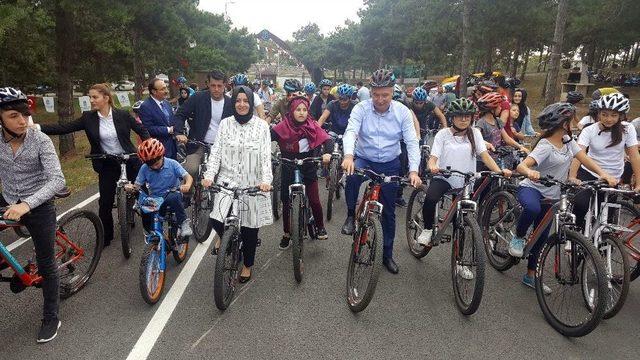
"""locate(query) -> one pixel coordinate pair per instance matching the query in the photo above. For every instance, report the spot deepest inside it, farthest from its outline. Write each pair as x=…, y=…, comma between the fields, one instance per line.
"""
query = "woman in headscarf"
x=241, y=157
x=522, y=123
x=299, y=136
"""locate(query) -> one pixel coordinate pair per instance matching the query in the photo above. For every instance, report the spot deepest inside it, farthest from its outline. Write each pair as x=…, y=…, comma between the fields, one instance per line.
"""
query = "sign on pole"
x=85, y=104
x=123, y=98
x=49, y=104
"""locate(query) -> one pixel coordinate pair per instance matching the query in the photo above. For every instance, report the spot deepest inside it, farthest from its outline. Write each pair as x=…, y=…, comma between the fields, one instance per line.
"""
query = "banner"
x=85, y=104
x=123, y=99
x=49, y=103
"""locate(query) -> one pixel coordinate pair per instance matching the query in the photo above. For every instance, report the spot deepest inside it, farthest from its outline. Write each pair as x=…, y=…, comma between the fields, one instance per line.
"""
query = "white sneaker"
x=185, y=228
x=424, y=238
x=464, y=272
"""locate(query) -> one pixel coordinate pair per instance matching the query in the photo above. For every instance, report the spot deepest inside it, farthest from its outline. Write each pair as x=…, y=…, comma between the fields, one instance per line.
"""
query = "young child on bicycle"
x=31, y=176
x=161, y=174
x=299, y=136
x=551, y=156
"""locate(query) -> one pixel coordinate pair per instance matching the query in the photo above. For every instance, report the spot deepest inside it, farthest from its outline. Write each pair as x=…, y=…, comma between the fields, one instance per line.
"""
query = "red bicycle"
x=630, y=218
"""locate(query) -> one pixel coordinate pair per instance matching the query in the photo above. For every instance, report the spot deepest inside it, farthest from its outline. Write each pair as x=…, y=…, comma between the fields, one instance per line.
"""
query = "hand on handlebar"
x=182, y=139
x=574, y=181
x=533, y=175
x=184, y=188
x=16, y=211
x=507, y=173
x=207, y=183
x=130, y=188
x=265, y=187
x=612, y=181
x=348, y=165
x=326, y=158
x=414, y=178
x=434, y=169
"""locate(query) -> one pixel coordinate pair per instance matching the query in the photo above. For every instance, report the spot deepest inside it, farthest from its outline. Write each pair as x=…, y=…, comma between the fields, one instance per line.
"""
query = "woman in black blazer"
x=109, y=132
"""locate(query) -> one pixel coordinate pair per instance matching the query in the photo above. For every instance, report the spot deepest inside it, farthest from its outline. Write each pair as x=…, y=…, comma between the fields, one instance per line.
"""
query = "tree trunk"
x=353, y=75
x=403, y=59
x=591, y=55
x=556, y=51
x=64, y=66
x=516, y=55
x=546, y=60
x=466, y=47
x=524, y=66
x=540, y=58
x=138, y=67
x=489, y=58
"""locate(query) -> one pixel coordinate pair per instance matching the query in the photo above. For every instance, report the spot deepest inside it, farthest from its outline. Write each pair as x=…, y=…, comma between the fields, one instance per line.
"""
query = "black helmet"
x=555, y=115
x=292, y=85
x=574, y=97
x=382, y=78
x=10, y=95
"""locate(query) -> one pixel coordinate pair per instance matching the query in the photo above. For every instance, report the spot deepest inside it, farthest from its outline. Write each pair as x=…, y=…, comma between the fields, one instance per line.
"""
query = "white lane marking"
x=154, y=328
x=82, y=204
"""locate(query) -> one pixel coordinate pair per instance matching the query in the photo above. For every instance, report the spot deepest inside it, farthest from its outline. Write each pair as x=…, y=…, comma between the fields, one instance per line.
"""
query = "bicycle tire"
x=227, y=265
x=354, y=301
x=276, y=203
x=180, y=250
x=96, y=243
x=586, y=252
x=124, y=223
x=632, y=213
x=297, y=236
x=200, y=210
x=149, y=267
x=492, y=230
x=333, y=187
x=618, y=279
x=477, y=259
x=414, y=222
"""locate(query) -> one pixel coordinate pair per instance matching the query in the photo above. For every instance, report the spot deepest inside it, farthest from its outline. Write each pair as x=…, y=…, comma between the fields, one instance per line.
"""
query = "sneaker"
x=424, y=238
x=516, y=247
x=349, y=226
x=321, y=234
x=531, y=282
x=284, y=243
x=48, y=330
x=464, y=272
x=185, y=228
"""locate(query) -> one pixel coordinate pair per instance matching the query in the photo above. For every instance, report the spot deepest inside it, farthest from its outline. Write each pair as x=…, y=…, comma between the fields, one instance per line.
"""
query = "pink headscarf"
x=289, y=130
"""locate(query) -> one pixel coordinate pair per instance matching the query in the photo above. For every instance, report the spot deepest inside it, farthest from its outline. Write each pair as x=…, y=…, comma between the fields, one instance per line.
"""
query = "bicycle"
x=631, y=240
x=302, y=224
x=124, y=200
x=202, y=202
x=229, y=257
x=79, y=242
x=276, y=205
x=335, y=175
x=159, y=242
x=366, y=250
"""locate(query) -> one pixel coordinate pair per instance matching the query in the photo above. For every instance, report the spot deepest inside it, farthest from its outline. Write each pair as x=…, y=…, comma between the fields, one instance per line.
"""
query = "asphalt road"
x=412, y=315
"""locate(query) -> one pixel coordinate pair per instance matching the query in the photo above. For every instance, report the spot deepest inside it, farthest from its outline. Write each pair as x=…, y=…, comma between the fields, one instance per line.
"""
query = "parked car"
x=124, y=85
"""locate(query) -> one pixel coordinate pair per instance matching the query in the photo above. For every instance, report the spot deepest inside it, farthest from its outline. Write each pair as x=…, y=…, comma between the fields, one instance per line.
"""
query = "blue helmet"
x=326, y=82
x=419, y=94
x=292, y=85
x=310, y=88
x=181, y=80
x=345, y=90
x=240, y=79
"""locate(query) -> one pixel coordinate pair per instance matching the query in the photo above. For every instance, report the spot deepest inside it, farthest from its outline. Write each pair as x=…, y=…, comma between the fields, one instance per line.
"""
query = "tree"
x=466, y=46
x=556, y=50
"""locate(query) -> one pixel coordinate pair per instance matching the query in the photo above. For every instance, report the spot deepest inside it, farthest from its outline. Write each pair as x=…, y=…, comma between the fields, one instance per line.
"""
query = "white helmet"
x=615, y=101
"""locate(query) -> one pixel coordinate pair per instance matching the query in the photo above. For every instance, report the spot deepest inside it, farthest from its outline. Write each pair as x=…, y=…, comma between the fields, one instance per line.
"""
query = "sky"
x=284, y=17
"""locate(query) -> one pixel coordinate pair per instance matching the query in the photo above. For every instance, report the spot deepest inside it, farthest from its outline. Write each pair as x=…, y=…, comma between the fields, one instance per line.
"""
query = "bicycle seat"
x=65, y=192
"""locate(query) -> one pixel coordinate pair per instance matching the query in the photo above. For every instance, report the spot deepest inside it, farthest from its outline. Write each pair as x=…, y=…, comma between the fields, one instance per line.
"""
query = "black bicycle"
x=335, y=175
x=202, y=202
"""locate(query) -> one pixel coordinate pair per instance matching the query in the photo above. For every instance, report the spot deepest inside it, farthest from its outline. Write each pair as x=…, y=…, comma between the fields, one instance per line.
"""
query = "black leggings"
x=582, y=198
x=249, y=241
x=437, y=188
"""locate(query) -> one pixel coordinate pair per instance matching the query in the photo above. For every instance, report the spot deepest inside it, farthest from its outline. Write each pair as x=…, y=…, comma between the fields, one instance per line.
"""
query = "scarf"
x=291, y=131
x=242, y=119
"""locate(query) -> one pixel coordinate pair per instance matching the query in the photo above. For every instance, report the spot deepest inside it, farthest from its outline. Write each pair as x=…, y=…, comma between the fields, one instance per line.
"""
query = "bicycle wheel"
x=297, y=236
x=178, y=250
x=276, y=203
x=124, y=222
x=414, y=222
x=227, y=269
x=498, y=222
x=467, y=266
x=150, y=275
x=629, y=213
x=333, y=187
x=364, y=265
x=200, y=210
x=616, y=265
x=564, y=273
x=80, y=239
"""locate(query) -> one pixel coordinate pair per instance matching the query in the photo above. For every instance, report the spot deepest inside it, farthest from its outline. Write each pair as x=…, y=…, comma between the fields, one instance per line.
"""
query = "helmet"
x=397, y=92
x=555, y=115
x=593, y=105
x=489, y=101
x=486, y=87
x=615, y=101
x=325, y=82
x=150, y=149
x=292, y=85
x=181, y=80
x=382, y=78
x=310, y=88
x=265, y=82
x=574, y=97
x=448, y=88
x=10, y=95
x=603, y=91
x=345, y=90
x=428, y=84
x=461, y=106
x=240, y=79
x=136, y=106
x=419, y=94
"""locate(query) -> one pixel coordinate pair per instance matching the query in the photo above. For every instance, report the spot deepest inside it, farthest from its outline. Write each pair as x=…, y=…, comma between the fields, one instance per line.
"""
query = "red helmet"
x=489, y=101
x=150, y=149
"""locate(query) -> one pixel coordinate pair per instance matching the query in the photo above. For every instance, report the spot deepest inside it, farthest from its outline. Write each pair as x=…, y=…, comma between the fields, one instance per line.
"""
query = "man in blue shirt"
x=379, y=124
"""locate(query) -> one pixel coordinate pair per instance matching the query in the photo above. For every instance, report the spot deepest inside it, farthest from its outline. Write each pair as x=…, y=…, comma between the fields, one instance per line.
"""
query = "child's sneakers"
x=185, y=229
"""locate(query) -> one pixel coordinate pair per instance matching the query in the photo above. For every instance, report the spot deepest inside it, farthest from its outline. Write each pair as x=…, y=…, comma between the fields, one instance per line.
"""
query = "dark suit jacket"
x=89, y=122
x=156, y=123
x=198, y=107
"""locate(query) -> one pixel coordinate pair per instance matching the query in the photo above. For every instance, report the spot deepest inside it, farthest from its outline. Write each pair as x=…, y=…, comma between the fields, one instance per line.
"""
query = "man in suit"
x=207, y=109
x=157, y=116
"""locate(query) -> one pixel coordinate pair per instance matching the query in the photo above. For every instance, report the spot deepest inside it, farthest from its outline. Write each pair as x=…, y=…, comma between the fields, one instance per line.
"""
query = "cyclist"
x=429, y=116
x=292, y=88
x=399, y=95
x=182, y=84
x=574, y=97
x=30, y=180
x=379, y=124
x=310, y=91
x=450, y=95
x=299, y=136
x=363, y=92
x=491, y=126
x=160, y=174
x=243, y=80
x=337, y=113
x=265, y=93
x=608, y=142
x=320, y=102
x=551, y=156
x=591, y=116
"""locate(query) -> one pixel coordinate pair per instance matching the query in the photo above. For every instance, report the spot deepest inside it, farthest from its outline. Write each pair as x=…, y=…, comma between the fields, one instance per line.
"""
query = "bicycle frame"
x=461, y=204
x=628, y=243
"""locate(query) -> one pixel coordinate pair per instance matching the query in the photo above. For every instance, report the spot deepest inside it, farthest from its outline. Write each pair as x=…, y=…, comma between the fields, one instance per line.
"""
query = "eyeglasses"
x=152, y=161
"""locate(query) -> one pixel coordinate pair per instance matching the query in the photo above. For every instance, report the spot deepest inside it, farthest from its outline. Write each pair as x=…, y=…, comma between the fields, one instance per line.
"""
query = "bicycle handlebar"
x=300, y=162
x=119, y=157
x=382, y=178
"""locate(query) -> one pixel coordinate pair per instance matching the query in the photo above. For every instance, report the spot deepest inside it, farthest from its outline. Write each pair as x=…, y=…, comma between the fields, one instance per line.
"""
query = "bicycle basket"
x=149, y=204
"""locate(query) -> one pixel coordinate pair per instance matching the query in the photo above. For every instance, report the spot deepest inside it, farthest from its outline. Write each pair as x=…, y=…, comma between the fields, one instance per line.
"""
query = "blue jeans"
x=173, y=201
x=533, y=212
x=387, y=197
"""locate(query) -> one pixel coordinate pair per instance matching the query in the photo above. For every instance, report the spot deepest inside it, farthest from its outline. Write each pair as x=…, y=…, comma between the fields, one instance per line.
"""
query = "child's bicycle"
x=78, y=246
x=159, y=242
